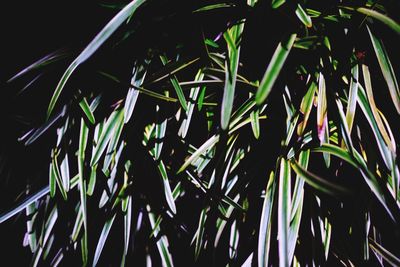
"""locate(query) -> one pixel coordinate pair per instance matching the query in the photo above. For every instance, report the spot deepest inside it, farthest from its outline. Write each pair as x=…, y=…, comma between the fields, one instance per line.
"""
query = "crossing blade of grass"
x=352, y=99
x=167, y=187
x=319, y=183
x=381, y=17
x=175, y=84
x=116, y=118
x=102, y=239
x=200, y=232
x=138, y=75
x=299, y=184
x=284, y=204
x=127, y=228
x=57, y=175
x=200, y=151
x=41, y=130
x=264, y=236
x=93, y=46
x=306, y=106
x=366, y=108
x=387, y=69
x=52, y=180
x=374, y=109
x=191, y=104
x=274, y=68
x=303, y=16
x=162, y=243
x=86, y=109
x=82, y=184
x=64, y=167
x=31, y=214
x=28, y=201
x=387, y=255
x=231, y=68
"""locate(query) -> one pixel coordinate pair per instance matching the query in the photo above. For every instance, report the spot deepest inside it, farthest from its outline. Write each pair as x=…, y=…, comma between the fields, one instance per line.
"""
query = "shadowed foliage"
x=215, y=133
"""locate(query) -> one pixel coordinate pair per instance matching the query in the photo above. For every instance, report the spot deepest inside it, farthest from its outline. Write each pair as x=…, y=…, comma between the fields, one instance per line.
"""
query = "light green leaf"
x=116, y=118
x=387, y=69
x=274, y=68
x=284, y=204
x=100, y=38
x=381, y=17
x=86, y=109
x=318, y=183
x=303, y=16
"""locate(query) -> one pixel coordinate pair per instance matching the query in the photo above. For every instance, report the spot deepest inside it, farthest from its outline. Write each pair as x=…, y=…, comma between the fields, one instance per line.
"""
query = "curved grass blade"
x=264, y=236
x=381, y=17
x=35, y=197
x=374, y=109
x=116, y=118
x=387, y=69
x=175, y=84
x=274, y=68
x=93, y=46
x=387, y=255
x=318, y=183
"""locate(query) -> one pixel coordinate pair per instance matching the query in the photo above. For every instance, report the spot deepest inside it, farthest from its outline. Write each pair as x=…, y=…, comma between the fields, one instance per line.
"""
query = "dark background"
x=29, y=31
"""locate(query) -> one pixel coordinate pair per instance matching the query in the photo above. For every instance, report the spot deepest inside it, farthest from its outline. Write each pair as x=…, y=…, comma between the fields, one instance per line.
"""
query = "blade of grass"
x=274, y=67
x=387, y=69
x=86, y=109
x=264, y=236
x=284, y=204
x=93, y=46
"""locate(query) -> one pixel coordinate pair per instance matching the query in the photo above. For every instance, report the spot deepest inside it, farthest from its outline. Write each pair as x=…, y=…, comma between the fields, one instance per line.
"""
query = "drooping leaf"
x=102, y=239
x=93, y=46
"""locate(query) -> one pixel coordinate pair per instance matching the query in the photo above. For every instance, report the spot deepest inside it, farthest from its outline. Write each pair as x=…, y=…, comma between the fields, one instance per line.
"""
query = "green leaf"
x=387, y=69
x=52, y=180
x=318, y=183
x=102, y=239
x=302, y=15
x=93, y=46
x=86, y=109
x=64, y=167
x=305, y=107
x=264, y=236
x=200, y=151
x=381, y=17
x=255, y=123
x=231, y=68
x=274, y=68
x=215, y=6
x=116, y=118
x=175, y=84
x=277, y=3
x=284, y=204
